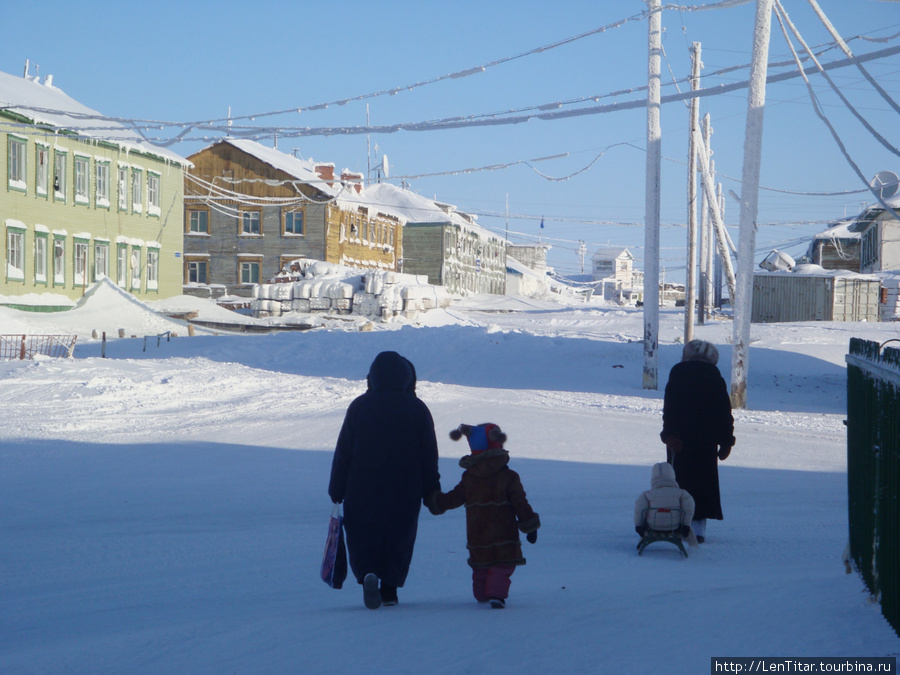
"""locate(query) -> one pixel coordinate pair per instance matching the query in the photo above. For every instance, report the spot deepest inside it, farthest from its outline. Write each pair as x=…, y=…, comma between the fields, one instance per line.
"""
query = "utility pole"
x=690, y=289
x=582, y=250
x=742, y=302
x=651, y=218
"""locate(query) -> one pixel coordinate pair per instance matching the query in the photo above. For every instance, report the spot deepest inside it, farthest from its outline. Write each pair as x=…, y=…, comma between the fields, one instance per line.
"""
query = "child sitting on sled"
x=496, y=510
x=665, y=507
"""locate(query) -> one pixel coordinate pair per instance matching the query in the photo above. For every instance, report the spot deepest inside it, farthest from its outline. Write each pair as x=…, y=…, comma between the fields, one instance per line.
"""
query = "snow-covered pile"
x=315, y=286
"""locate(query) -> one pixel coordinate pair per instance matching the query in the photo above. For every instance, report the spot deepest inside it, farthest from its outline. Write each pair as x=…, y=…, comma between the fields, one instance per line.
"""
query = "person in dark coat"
x=496, y=511
x=385, y=465
x=698, y=429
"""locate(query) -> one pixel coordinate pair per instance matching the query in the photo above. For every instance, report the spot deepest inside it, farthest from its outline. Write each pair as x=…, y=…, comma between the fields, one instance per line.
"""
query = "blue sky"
x=191, y=61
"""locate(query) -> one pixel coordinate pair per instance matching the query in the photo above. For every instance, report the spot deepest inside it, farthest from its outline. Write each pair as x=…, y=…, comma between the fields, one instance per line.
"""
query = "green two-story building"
x=81, y=198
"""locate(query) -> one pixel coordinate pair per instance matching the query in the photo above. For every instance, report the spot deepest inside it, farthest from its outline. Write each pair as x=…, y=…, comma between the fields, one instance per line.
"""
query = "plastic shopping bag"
x=334, y=561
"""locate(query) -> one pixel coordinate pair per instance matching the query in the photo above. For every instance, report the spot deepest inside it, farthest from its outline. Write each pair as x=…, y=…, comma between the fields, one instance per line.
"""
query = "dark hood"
x=390, y=372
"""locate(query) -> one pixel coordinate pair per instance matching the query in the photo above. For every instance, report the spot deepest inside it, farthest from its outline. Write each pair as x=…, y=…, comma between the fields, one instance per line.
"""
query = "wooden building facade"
x=250, y=209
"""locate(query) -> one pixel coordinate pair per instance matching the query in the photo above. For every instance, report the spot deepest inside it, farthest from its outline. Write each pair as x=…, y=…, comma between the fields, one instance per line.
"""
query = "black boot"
x=388, y=595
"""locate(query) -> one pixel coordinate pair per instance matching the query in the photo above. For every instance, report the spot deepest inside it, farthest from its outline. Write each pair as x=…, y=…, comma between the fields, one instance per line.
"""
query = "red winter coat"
x=496, y=509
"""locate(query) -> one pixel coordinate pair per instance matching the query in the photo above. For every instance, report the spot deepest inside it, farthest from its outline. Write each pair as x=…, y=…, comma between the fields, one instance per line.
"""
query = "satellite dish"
x=384, y=168
x=885, y=183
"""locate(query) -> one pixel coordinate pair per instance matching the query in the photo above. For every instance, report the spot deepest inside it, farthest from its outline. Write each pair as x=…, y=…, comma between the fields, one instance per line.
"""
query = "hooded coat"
x=496, y=509
x=697, y=412
x=664, y=494
x=385, y=464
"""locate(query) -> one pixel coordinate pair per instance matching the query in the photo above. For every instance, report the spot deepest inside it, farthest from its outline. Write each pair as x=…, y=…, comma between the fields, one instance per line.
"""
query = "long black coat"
x=697, y=411
x=385, y=465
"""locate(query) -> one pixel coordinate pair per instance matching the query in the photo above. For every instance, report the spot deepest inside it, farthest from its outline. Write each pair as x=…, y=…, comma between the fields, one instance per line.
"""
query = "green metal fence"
x=873, y=470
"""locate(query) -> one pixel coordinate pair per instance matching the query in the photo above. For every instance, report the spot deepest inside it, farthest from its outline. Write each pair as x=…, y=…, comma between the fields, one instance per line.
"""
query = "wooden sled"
x=662, y=518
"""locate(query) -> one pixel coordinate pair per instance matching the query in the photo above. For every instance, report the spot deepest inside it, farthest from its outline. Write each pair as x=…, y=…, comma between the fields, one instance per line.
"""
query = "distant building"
x=443, y=243
x=251, y=209
x=865, y=244
x=83, y=197
x=619, y=281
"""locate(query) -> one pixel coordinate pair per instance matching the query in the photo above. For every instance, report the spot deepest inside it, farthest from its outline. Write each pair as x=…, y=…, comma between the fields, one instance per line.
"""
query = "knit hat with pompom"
x=481, y=437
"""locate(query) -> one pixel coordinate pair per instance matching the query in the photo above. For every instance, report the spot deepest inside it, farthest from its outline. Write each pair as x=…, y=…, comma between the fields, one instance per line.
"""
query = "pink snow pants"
x=491, y=582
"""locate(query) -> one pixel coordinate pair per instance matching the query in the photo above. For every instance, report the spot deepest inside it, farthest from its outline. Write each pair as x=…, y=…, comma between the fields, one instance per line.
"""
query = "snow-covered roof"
x=46, y=104
x=839, y=230
x=410, y=207
x=611, y=253
x=302, y=169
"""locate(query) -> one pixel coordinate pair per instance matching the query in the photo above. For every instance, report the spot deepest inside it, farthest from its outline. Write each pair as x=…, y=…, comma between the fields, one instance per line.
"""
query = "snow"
x=46, y=104
x=166, y=510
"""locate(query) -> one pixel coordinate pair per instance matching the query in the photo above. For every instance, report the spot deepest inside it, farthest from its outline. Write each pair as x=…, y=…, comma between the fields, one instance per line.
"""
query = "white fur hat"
x=700, y=350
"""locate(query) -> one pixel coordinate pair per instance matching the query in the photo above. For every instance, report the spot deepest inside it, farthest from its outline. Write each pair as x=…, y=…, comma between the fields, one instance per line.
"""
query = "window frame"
x=154, y=185
x=136, y=272
x=190, y=221
x=122, y=187
x=16, y=163
x=152, y=282
x=59, y=260
x=192, y=265
x=41, y=250
x=101, y=185
x=60, y=175
x=101, y=252
x=250, y=217
x=81, y=261
x=82, y=184
x=249, y=264
x=15, y=253
x=292, y=216
x=41, y=170
x=122, y=265
x=137, y=190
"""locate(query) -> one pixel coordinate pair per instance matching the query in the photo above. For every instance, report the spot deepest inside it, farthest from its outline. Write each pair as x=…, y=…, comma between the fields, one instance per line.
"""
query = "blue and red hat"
x=481, y=437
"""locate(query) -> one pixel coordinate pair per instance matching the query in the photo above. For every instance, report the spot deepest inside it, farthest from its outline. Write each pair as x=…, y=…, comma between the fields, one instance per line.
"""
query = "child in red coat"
x=496, y=510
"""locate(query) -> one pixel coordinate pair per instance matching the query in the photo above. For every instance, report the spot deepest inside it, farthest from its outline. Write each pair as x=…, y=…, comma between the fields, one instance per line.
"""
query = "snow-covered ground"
x=164, y=509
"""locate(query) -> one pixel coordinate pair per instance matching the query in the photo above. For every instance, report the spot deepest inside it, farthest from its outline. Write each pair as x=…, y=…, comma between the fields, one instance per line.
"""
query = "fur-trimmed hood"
x=485, y=463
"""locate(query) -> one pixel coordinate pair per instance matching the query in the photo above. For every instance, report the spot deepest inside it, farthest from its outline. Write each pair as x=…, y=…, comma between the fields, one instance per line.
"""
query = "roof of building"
x=46, y=105
x=302, y=169
x=612, y=253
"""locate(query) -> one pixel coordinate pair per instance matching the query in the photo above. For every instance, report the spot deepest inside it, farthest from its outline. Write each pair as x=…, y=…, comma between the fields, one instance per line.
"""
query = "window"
x=135, y=269
x=42, y=176
x=82, y=179
x=249, y=272
x=15, y=254
x=196, y=272
x=122, y=181
x=59, y=261
x=137, y=186
x=16, y=167
x=121, y=265
x=101, y=260
x=868, y=254
x=81, y=262
x=250, y=222
x=293, y=222
x=102, y=188
x=153, y=193
x=59, y=176
x=40, y=258
x=198, y=222
x=152, y=269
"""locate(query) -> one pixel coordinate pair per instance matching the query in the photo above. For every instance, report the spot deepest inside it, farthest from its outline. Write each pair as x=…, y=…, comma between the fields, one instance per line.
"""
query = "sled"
x=668, y=529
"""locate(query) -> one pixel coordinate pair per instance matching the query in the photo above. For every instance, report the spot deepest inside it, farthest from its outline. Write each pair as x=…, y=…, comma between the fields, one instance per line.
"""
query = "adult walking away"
x=385, y=464
x=698, y=429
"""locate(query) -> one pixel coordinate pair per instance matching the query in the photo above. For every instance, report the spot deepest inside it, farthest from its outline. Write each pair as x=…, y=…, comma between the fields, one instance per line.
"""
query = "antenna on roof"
x=25, y=74
x=885, y=183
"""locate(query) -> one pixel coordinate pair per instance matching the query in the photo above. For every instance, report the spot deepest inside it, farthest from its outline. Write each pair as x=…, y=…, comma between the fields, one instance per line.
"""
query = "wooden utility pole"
x=743, y=300
x=651, y=218
x=690, y=288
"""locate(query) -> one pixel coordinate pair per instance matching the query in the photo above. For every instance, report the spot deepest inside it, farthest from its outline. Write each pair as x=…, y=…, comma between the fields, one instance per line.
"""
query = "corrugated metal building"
x=785, y=296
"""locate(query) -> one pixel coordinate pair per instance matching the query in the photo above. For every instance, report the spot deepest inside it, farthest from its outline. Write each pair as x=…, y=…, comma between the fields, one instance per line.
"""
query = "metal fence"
x=873, y=470
x=14, y=347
